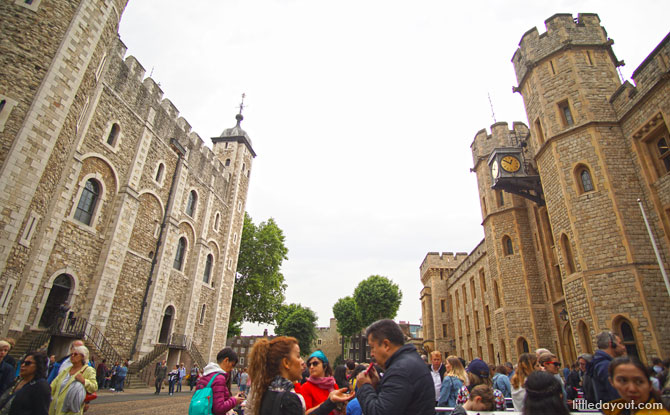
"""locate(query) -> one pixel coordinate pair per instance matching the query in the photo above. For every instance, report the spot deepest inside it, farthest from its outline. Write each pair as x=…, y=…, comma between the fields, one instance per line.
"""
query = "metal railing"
x=79, y=327
x=147, y=359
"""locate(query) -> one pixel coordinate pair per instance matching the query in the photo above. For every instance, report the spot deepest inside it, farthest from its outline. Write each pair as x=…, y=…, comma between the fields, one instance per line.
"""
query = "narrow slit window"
x=566, y=114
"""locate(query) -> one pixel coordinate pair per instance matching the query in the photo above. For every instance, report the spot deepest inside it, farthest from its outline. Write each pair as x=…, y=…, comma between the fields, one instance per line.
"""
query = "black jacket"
x=406, y=387
x=290, y=404
x=441, y=370
x=32, y=399
x=6, y=376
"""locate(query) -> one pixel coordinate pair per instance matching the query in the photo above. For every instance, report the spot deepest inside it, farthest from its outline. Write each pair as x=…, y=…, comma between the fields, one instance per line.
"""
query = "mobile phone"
x=367, y=371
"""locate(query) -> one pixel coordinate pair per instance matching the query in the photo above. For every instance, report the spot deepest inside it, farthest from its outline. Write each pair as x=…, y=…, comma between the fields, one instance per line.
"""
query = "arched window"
x=179, y=256
x=202, y=313
x=522, y=346
x=192, y=202
x=587, y=183
x=508, y=247
x=496, y=294
x=217, y=218
x=624, y=327
x=113, y=134
x=208, y=269
x=159, y=172
x=584, y=337
x=87, y=202
x=584, y=179
x=227, y=162
x=567, y=255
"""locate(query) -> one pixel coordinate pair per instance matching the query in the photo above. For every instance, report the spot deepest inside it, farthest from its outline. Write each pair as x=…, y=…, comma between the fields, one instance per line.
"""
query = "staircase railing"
x=80, y=327
x=195, y=354
x=148, y=358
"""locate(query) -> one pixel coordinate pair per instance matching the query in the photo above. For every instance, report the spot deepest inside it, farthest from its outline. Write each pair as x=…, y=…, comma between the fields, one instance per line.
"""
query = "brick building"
x=566, y=253
x=242, y=346
x=108, y=200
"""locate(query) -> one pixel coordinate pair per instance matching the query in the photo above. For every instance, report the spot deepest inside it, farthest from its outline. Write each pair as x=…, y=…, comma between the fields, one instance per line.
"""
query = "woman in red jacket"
x=320, y=382
x=223, y=400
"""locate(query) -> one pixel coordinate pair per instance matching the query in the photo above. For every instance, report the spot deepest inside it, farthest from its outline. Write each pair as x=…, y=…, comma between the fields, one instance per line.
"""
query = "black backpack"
x=589, y=387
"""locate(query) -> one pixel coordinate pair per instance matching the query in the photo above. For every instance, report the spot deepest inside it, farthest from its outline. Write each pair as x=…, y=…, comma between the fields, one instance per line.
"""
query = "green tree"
x=259, y=284
x=377, y=298
x=299, y=322
x=348, y=319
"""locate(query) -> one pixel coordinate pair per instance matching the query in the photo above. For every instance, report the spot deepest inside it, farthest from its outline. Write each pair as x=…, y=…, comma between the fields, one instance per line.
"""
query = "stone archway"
x=59, y=294
x=166, y=327
x=568, y=345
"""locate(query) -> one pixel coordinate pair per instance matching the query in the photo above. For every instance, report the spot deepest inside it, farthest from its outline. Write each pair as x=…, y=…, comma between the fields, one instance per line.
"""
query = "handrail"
x=195, y=354
x=81, y=328
x=138, y=366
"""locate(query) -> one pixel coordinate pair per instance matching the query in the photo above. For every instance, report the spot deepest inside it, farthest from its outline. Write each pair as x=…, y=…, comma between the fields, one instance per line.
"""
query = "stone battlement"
x=563, y=31
x=125, y=76
x=650, y=71
x=500, y=136
x=442, y=260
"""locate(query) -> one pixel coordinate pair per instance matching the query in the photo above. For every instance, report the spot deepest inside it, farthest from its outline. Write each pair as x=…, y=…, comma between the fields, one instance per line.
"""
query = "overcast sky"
x=362, y=114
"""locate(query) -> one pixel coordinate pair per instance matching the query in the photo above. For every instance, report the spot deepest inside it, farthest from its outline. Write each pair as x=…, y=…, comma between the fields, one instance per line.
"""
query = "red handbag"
x=90, y=396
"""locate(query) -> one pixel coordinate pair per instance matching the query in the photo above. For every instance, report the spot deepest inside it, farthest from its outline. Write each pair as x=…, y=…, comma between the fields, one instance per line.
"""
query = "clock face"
x=510, y=164
x=494, y=169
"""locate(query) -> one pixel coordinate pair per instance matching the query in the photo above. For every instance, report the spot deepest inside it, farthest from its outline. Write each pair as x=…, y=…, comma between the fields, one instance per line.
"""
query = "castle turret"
x=590, y=233
x=515, y=273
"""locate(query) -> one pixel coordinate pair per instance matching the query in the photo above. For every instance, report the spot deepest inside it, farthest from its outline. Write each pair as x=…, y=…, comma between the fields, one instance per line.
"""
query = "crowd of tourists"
x=398, y=381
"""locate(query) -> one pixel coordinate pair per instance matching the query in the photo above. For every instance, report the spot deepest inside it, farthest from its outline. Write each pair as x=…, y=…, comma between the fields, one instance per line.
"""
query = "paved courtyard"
x=142, y=401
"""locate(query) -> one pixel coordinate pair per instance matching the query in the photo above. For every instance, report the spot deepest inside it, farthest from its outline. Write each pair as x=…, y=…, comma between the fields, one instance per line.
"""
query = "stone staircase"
x=31, y=340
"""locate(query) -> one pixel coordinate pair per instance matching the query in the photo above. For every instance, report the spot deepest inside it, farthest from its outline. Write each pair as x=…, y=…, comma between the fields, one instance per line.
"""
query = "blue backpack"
x=203, y=399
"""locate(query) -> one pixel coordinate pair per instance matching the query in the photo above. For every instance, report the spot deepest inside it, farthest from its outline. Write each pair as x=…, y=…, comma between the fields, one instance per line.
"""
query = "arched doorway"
x=167, y=325
x=58, y=295
x=569, y=350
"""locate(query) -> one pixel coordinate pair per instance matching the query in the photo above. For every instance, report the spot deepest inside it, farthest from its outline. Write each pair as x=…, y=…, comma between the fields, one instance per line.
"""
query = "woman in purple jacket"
x=223, y=400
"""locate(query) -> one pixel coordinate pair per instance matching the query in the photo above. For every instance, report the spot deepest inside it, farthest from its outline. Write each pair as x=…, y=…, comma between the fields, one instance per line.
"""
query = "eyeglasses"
x=27, y=363
x=314, y=363
x=557, y=364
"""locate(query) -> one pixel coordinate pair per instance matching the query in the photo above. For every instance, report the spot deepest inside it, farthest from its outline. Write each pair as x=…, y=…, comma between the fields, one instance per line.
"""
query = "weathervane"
x=242, y=103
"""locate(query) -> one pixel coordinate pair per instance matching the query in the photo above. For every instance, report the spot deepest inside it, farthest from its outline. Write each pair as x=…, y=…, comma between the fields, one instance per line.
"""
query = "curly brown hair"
x=264, y=363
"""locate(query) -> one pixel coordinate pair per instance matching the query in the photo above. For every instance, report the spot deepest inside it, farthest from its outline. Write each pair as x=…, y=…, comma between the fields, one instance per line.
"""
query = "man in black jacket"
x=406, y=387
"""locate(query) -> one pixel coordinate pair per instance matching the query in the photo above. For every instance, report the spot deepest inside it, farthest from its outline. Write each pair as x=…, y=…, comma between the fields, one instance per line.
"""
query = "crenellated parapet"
x=126, y=78
x=500, y=136
x=563, y=32
x=650, y=72
x=444, y=260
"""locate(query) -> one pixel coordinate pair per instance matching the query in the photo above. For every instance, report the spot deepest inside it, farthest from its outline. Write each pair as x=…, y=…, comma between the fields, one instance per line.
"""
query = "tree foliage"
x=299, y=322
x=259, y=284
x=348, y=318
x=377, y=298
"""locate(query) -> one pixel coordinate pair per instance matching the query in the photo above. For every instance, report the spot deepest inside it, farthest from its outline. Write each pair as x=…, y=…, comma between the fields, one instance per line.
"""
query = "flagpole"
x=653, y=243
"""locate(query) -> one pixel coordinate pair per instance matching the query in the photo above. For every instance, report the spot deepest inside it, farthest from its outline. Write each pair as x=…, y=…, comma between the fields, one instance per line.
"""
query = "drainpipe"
x=181, y=151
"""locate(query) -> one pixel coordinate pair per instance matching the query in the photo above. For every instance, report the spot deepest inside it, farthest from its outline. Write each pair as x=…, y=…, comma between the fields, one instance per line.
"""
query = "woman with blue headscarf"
x=320, y=382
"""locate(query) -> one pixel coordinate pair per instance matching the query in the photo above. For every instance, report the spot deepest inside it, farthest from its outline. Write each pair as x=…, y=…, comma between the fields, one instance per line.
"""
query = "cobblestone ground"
x=142, y=401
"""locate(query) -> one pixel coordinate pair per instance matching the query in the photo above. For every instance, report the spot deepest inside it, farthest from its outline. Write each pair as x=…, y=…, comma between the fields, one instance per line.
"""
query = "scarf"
x=327, y=383
x=281, y=384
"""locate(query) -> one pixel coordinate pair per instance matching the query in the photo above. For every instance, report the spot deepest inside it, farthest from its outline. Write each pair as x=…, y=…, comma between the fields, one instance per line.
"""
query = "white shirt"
x=436, y=380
